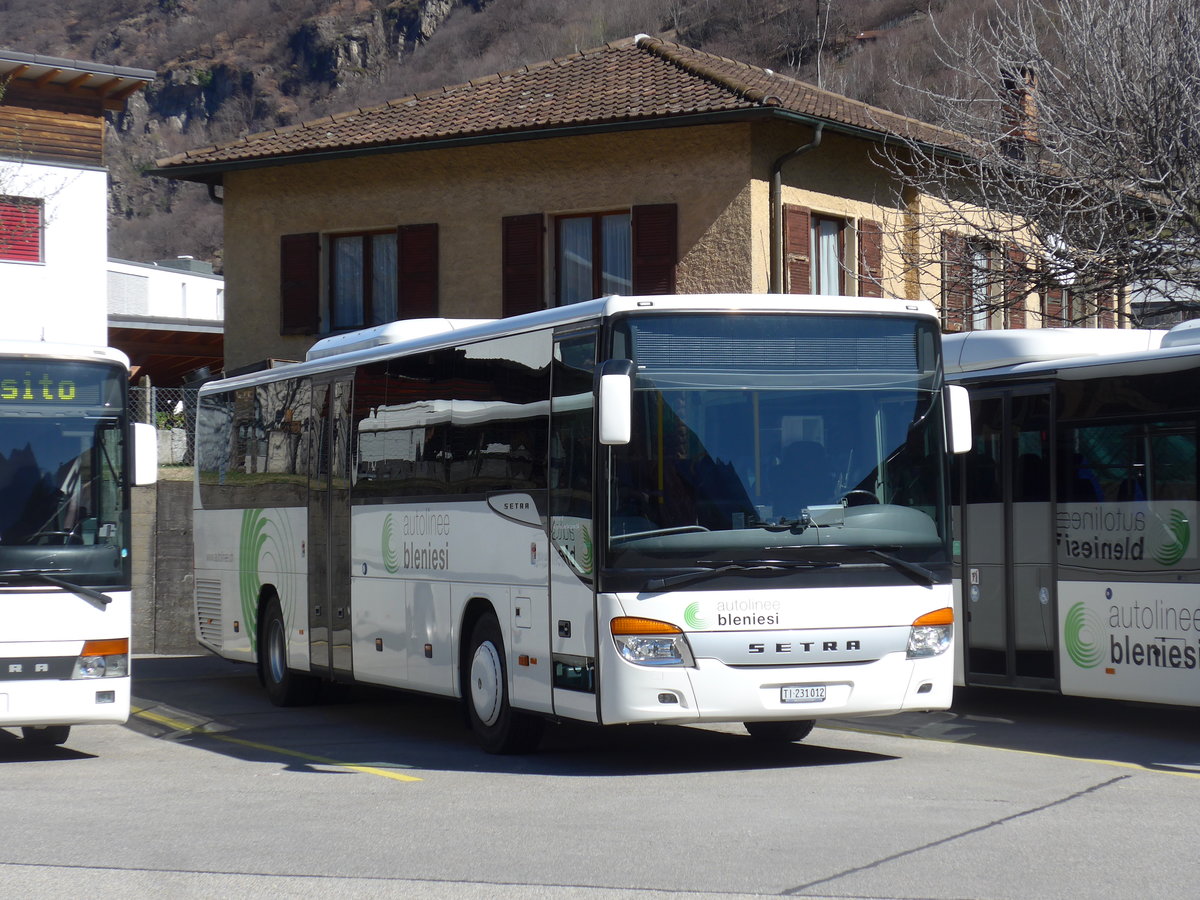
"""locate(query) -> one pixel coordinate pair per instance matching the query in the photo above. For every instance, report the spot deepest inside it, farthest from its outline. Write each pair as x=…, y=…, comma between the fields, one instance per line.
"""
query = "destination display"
x=43, y=383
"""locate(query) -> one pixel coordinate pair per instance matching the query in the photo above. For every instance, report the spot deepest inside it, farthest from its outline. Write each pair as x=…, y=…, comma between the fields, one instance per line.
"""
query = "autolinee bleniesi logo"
x=692, y=616
x=1083, y=635
x=1172, y=551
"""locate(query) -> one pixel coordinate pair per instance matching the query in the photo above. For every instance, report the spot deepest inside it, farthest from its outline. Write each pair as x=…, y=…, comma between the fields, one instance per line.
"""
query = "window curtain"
x=575, y=260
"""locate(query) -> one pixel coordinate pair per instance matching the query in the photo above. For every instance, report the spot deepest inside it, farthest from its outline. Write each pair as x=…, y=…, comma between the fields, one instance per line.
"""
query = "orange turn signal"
x=944, y=616
x=114, y=647
x=635, y=625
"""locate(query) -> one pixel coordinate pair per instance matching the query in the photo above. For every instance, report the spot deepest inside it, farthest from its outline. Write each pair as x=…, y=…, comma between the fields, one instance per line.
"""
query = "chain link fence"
x=172, y=411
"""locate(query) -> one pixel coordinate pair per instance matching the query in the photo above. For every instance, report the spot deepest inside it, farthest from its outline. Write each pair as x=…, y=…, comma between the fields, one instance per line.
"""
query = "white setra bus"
x=66, y=466
x=1079, y=558
x=635, y=509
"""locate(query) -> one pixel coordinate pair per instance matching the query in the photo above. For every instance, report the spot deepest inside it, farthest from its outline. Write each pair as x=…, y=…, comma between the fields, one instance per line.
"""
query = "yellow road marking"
x=1163, y=770
x=178, y=725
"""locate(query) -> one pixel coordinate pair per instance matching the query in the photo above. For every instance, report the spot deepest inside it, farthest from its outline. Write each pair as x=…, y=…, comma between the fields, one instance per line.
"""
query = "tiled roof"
x=636, y=80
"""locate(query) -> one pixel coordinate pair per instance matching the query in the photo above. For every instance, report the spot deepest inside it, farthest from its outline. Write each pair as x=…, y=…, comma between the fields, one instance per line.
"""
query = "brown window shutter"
x=299, y=283
x=797, y=247
x=417, y=278
x=955, y=272
x=655, y=248
x=870, y=259
x=1016, y=284
x=1107, y=316
x=1054, y=307
x=523, y=282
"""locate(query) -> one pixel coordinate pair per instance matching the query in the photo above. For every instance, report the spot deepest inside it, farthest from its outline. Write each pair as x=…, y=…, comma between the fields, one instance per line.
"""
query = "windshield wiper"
x=749, y=567
x=911, y=568
x=49, y=578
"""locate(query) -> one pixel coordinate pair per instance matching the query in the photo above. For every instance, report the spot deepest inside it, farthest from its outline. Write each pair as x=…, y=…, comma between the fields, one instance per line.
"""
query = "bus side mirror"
x=616, y=401
x=958, y=411
x=145, y=453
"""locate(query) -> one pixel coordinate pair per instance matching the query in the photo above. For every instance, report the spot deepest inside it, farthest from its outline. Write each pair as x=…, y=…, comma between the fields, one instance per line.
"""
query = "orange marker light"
x=635, y=625
x=943, y=616
x=114, y=647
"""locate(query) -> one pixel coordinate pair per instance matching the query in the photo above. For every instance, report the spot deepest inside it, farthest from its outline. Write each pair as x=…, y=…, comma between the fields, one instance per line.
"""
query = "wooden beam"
x=77, y=81
x=47, y=77
x=103, y=89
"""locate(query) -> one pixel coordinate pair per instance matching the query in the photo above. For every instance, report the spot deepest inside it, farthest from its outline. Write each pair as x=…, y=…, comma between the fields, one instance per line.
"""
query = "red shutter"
x=20, y=229
x=417, y=278
x=299, y=283
x=954, y=281
x=1054, y=307
x=1016, y=287
x=1105, y=303
x=797, y=245
x=655, y=248
x=523, y=281
x=870, y=259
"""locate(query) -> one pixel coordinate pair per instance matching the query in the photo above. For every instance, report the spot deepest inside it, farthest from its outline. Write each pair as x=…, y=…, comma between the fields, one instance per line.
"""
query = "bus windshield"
x=61, y=473
x=759, y=435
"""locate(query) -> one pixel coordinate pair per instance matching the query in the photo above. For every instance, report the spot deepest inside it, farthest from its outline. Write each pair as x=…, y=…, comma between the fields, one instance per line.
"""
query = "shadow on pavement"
x=1165, y=738
x=220, y=706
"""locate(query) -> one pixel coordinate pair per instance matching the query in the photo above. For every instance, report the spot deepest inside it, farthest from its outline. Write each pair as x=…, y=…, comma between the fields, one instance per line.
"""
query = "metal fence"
x=172, y=411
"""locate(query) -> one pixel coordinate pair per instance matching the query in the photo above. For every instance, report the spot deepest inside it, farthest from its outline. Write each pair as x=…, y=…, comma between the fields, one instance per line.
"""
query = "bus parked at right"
x=1076, y=515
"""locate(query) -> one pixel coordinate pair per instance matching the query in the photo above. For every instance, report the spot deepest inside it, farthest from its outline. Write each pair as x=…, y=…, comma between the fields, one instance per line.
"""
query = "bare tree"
x=1074, y=154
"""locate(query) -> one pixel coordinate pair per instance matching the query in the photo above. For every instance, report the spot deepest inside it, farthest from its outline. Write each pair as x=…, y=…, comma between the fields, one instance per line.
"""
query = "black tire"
x=285, y=687
x=780, y=732
x=45, y=735
x=499, y=728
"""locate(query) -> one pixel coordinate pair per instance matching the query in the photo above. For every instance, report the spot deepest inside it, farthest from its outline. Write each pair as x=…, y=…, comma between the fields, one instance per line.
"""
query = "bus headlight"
x=103, y=659
x=648, y=642
x=931, y=634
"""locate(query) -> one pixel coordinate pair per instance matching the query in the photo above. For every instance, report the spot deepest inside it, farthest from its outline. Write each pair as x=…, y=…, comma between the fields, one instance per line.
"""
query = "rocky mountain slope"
x=232, y=67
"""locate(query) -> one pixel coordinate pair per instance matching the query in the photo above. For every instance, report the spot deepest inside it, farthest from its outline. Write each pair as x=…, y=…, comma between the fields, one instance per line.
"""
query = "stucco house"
x=642, y=166
x=54, y=194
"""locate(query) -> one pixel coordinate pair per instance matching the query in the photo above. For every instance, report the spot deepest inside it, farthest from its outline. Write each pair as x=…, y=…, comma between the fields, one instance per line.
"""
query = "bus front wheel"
x=45, y=735
x=498, y=726
x=780, y=732
x=285, y=686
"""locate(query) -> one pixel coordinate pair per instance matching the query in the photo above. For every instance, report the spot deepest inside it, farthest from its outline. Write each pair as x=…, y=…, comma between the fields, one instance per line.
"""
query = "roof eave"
x=213, y=173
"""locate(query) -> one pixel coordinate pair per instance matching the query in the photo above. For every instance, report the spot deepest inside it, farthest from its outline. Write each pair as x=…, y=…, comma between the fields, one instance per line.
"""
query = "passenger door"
x=1008, y=540
x=329, y=614
x=572, y=529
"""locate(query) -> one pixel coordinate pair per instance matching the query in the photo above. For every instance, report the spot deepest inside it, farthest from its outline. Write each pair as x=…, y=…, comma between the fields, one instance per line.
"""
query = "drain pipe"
x=776, y=282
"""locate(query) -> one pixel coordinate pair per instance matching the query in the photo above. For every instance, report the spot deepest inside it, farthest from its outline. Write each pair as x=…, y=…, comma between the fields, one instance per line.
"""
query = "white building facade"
x=53, y=194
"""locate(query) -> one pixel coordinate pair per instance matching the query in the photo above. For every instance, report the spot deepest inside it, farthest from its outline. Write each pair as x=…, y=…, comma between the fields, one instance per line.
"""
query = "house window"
x=828, y=254
x=594, y=256
x=362, y=279
x=20, y=229
x=831, y=255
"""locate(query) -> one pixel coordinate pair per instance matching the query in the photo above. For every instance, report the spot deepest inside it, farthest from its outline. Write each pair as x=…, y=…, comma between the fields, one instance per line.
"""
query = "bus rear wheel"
x=499, y=728
x=285, y=686
x=45, y=735
x=780, y=732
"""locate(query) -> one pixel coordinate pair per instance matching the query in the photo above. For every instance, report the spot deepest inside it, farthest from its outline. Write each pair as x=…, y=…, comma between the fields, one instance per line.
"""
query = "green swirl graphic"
x=587, y=557
x=692, y=616
x=266, y=553
x=390, y=561
x=1171, y=553
x=253, y=538
x=1083, y=635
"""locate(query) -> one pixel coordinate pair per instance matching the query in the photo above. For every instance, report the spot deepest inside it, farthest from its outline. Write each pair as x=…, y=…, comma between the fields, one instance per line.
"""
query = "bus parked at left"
x=67, y=463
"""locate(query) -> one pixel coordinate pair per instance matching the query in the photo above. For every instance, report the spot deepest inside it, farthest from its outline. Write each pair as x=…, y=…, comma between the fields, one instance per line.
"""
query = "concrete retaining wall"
x=162, y=569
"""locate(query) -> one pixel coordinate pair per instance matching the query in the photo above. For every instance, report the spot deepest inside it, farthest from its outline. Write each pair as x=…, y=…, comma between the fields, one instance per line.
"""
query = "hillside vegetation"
x=233, y=67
